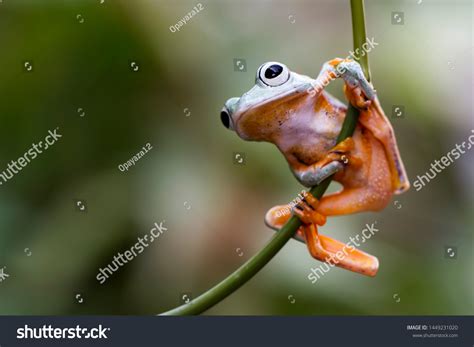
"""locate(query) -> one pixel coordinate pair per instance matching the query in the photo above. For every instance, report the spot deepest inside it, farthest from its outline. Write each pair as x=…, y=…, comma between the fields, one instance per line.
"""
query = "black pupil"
x=273, y=71
x=225, y=119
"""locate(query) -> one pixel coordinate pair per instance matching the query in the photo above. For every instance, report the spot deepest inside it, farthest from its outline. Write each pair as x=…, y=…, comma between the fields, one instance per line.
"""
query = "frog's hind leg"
x=373, y=118
x=361, y=94
x=372, y=190
x=336, y=253
x=328, y=250
x=321, y=247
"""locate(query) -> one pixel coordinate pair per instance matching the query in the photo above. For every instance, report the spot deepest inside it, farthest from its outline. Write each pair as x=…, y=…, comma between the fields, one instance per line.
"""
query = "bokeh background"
x=81, y=53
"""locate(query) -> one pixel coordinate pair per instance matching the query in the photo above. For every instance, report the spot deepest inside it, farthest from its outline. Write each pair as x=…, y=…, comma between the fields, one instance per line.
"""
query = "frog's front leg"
x=358, y=90
x=312, y=175
x=335, y=160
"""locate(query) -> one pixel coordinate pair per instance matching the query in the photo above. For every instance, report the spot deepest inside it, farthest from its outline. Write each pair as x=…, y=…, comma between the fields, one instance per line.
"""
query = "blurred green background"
x=81, y=53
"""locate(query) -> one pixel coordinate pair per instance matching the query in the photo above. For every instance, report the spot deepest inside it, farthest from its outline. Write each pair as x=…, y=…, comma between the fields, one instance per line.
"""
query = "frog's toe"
x=357, y=97
x=277, y=216
x=311, y=200
x=342, y=153
x=355, y=78
x=343, y=146
x=307, y=214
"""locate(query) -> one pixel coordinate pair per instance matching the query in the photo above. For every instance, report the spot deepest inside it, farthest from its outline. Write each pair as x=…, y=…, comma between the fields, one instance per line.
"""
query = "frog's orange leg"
x=321, y=247
x=339, y=254
x=353, y=200
x=361, y=94
x=373, y=118
x=327, y=249
x=370, y=191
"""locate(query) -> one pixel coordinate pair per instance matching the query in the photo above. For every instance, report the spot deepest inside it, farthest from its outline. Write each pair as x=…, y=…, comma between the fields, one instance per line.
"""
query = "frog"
x=296, y=114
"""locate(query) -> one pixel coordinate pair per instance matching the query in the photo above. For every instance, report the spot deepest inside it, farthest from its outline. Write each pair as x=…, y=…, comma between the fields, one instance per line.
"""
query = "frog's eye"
x=225, y=118
x=273, y=74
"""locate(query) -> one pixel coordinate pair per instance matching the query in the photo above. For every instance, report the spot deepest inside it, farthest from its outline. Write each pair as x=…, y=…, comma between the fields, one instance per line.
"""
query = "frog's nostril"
x=225, y=118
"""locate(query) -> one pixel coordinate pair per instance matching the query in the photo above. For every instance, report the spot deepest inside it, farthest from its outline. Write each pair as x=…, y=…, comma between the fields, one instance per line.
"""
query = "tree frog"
x=295, y=113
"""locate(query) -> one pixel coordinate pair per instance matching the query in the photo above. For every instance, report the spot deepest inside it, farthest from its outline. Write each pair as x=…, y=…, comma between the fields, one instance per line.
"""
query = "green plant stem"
x=258, y=261
x=358, y=34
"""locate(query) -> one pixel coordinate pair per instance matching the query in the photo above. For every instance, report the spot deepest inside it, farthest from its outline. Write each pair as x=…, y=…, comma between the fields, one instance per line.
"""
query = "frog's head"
x=260, y=113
